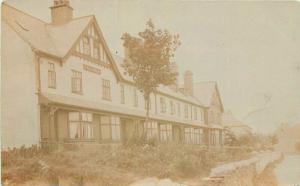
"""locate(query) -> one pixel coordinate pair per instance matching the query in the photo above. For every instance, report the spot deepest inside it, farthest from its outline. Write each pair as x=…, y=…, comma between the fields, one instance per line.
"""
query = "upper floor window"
x=186, y=111
x=51, y=76
x=80, y=125
x=172, y=109
x=178, y=109
x=86, y=45
x=135, y=98
x=162, y=105
x=76, y=82
x=122, y=94
x=149, y=103
x=195, y=113
x=106, y=89
x=96, y=50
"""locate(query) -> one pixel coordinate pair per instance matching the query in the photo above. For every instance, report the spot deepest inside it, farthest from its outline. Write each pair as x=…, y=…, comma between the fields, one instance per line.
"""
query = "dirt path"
x=288, y=171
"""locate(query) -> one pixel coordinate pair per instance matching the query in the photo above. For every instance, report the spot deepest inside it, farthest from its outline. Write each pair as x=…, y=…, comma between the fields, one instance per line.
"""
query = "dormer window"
x=86, y=45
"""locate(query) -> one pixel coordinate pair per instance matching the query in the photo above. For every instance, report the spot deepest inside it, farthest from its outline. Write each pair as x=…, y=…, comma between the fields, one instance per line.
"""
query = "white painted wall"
x=20, y=110
x=92, y=88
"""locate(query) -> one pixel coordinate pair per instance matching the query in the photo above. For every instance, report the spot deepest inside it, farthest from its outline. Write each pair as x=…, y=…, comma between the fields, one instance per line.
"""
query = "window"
x=105, y=127
x=110, y=128
x=189, y=135
x=86, y=45
x=201, y=115
x=220, y=138
x=195, y=113
x=76, y=82
x=165, y=132
x=122, y=94
x=135, y=98
x=80, y=125
x=106, y=89
x=151, y=129
x=172, y=107
x=186, y=111
x=149, y=103
x=178, y=108
x=96, y=50
x=51, y=76
x=213, y=137
x=162, y=105
x=115, y=128
x=198, y=136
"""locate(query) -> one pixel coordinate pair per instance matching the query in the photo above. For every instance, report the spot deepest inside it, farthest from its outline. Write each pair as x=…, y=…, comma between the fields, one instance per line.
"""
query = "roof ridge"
x=21, y=11
x=210, y=81
x=74, y=19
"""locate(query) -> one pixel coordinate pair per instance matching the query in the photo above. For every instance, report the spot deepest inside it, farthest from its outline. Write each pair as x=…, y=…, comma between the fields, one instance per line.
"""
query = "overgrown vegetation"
x=112, y=164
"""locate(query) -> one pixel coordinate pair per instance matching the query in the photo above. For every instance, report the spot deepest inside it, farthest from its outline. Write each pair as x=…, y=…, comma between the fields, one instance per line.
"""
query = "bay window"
x=80, y=125
x=110, y=128
x=165, y=132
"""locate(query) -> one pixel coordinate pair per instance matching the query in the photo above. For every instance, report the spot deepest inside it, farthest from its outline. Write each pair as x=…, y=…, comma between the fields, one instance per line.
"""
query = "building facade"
x=75, y=91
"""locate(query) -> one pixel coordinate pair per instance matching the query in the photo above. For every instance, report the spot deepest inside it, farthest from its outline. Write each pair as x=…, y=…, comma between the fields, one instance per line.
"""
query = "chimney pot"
x=61, y=12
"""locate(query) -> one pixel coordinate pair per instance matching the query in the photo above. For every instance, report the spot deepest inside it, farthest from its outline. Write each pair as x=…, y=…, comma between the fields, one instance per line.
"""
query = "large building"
x=61, y=84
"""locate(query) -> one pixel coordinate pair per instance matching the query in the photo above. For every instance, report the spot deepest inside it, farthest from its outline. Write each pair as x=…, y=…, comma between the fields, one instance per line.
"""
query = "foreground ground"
x=112, y=165
x=287, y=172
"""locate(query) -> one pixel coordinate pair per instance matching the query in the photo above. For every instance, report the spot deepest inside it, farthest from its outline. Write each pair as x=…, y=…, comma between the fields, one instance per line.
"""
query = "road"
x=288, y=171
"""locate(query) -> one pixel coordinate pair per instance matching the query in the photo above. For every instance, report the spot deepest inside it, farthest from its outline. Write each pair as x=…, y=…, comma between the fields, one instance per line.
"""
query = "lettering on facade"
x=92, y=69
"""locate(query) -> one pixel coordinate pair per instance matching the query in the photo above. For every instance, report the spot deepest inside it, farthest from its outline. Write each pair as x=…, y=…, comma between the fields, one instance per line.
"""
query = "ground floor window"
x=220, y=137
x=110, y=128
x=189, y=135
x=165, y=132
x=80, y=125
x=198, y=136
x=151, y=129
x=213, y=137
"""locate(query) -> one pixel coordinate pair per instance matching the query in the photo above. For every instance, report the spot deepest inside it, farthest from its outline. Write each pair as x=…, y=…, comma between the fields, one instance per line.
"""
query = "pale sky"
x=251, y=49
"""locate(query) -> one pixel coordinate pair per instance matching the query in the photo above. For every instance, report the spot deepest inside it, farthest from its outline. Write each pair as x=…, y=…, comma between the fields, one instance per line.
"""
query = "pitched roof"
x=51, y=39
x=229, y=120
x=162, y=89
x=57, y=40
x=204, y=91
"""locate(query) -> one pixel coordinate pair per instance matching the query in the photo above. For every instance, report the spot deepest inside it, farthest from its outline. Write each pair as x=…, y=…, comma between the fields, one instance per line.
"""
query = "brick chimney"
x=61, y=12
x=188, y=83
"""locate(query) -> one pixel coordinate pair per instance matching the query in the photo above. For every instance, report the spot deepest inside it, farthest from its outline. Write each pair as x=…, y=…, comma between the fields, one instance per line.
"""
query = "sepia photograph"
x=150, y=93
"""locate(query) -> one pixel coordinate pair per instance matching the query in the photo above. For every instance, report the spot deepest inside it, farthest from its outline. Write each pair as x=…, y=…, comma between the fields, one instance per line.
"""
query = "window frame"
x=106, y=90
x=135, y=98
x=75, y=79
x=51, y=75
x=165, y=132
x=82, y=124
x=162, y=101
x=122, y=92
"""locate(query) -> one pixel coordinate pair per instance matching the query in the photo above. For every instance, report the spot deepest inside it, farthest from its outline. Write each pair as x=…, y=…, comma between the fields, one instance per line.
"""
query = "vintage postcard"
x=150, y=93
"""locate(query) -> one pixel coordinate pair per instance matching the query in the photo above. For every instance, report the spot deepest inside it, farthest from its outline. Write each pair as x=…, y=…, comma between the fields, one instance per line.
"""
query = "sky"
x=251, y=49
